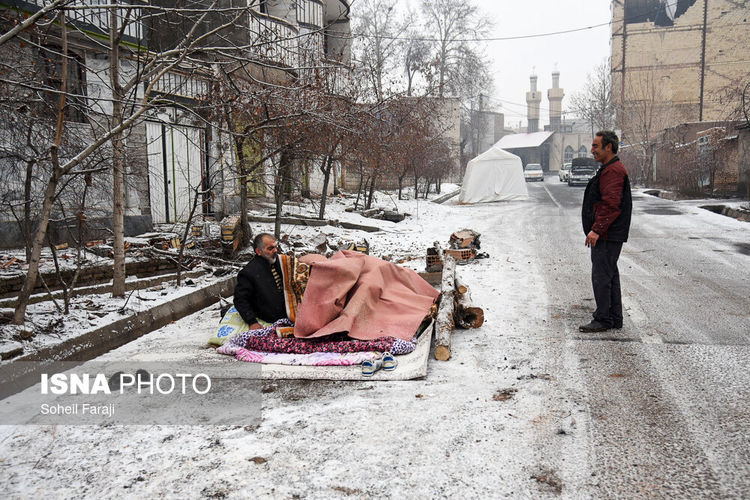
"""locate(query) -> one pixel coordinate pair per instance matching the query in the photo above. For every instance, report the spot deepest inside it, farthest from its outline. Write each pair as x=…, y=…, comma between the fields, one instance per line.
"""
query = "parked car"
x=581, y=171
x=564, y=172
x=533, y=172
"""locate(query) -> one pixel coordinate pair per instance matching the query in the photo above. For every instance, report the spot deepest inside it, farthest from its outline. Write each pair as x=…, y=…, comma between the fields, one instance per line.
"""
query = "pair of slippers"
x=387, y=363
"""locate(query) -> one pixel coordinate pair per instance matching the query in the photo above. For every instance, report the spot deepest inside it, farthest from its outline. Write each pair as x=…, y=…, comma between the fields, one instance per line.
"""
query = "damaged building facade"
x=679, y=69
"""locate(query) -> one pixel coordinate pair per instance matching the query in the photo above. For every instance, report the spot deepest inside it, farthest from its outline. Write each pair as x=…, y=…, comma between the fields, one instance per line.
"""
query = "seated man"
x=259, y=293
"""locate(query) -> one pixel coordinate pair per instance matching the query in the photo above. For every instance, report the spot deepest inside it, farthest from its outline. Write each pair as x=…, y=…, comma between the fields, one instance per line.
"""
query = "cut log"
x=445, y=322
x=461, y=287
x=469, y=316
x=466, y=314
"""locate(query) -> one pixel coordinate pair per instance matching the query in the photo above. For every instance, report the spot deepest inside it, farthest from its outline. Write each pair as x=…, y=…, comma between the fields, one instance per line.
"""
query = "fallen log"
x=445, y=322
x=466, y=314
x=446, y=197
x=296, y=221
x=293, y=221
x=350, y=225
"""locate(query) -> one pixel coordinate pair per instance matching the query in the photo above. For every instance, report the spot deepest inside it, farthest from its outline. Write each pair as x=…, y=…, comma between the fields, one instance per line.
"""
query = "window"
x=569, y=152
x=75, y=99
x=583, y=152
x=259, y=5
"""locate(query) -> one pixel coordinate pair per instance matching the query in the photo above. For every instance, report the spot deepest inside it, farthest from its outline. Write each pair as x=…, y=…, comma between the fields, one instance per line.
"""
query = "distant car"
x=582, y=170
x=564, y=172
x=533, y=172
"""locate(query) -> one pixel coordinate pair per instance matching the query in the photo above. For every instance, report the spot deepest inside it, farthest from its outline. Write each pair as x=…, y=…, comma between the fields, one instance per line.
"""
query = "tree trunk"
x=27, y=208
x=19, y=314
x=188, y=224
x=36, y=249
x=118, y=161
x=245, y=232
x=63, y=285
x=372, y=192
x=359, y=189
x=282, y=177
x=326, y=179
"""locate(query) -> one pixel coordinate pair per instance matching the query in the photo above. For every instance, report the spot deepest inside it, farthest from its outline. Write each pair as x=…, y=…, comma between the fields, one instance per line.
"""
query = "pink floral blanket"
x=363, y=296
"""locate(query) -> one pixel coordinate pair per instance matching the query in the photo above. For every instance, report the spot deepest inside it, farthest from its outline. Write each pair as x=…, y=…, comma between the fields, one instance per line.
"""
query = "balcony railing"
x=178, y=84
x=87, y=14
x=274, y=39
x=310, y=12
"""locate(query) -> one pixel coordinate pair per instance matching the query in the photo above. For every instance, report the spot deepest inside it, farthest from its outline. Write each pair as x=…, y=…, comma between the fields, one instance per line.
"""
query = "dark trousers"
x=605, y=279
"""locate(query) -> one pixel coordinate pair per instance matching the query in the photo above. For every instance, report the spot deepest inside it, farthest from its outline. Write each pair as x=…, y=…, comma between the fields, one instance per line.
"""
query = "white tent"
x=495, y=175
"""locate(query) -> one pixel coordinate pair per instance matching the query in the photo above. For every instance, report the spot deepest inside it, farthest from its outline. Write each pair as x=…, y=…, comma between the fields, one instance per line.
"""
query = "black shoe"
x=594, y=326
x=617, y=326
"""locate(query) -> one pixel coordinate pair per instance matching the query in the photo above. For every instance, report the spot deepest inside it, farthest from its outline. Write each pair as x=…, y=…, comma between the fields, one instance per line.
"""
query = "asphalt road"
x=664, y=403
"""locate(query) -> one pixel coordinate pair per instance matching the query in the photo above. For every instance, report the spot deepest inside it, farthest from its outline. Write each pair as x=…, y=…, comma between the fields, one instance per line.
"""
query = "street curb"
x=24, y=371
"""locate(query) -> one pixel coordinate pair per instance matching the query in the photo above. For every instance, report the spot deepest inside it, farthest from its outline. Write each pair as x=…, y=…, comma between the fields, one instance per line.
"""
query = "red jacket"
x=607, y=203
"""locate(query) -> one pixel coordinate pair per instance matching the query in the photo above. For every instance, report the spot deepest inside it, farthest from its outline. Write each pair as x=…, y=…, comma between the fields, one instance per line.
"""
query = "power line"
x=477, y=39
x=498, y=39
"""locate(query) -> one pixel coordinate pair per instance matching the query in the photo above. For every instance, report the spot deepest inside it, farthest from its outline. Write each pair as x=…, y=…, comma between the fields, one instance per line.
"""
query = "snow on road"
x=500, y=419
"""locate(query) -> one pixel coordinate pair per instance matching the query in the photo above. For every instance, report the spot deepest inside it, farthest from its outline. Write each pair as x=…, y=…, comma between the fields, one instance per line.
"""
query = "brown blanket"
x=364, y=296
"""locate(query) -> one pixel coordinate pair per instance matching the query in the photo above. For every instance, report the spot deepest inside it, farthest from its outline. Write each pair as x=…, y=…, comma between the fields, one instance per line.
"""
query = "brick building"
x=687, y=56
x=679, y=68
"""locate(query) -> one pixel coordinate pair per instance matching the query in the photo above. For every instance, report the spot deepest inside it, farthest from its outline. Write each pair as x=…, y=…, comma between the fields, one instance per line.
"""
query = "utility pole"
x=703, y=59
x=473, y=131
x=480, y=128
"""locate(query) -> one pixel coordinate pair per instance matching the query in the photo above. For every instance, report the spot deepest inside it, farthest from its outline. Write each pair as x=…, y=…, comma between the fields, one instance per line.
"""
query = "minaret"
x=533, y=99
x=555, y=96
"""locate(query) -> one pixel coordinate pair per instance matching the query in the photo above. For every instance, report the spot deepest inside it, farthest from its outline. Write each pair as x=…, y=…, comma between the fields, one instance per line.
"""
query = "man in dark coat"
x=606, y=210
x=259, y=293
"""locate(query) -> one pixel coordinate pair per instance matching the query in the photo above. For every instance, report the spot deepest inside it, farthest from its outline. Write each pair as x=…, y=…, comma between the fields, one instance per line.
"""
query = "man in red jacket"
x=605, y=214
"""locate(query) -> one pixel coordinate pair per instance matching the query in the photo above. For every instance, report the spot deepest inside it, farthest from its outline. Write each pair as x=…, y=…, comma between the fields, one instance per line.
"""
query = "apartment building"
x=170, y=149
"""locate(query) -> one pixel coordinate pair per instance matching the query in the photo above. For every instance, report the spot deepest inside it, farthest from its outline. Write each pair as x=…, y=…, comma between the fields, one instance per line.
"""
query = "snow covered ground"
x=479, y=425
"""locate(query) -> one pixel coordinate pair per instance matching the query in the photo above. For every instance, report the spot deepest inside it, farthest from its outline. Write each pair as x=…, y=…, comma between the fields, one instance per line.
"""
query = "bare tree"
x=417, y=58
x=593, y=103
x=131, y=98
x=646, y=113
x=460, y=67
x=379, y=24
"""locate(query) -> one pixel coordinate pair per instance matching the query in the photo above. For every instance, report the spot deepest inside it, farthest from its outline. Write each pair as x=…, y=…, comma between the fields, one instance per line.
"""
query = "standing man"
x=605, y=214
x=260, y=292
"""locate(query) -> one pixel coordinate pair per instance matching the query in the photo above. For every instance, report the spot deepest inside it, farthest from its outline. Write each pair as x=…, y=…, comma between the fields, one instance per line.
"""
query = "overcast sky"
x=575, y=54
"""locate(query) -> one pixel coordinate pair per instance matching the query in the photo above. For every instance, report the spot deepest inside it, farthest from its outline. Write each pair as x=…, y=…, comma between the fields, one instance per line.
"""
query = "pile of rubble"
x=463, y=246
